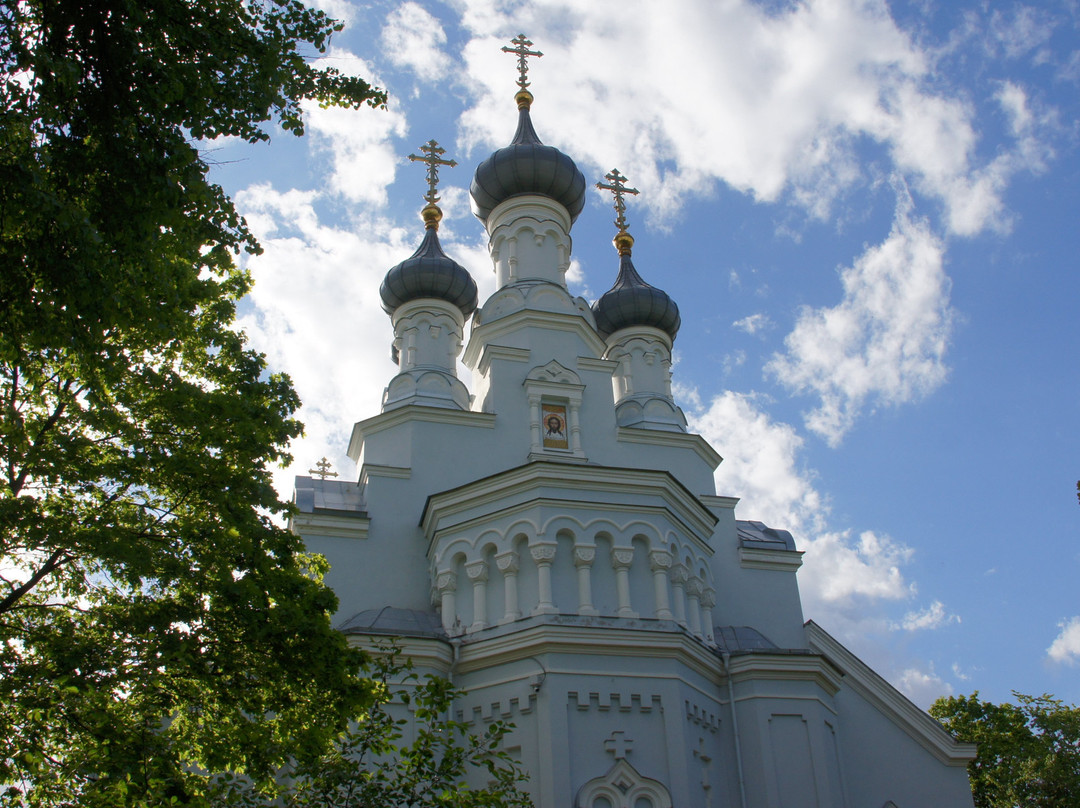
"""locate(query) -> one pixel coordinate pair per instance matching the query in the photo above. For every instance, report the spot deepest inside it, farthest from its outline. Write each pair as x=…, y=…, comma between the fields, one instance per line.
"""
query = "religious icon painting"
x=553, y=426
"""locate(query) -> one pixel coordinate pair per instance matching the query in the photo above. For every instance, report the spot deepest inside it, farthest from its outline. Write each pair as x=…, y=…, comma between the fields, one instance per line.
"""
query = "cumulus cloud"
x=761, y=462
x=753, y=323
x=1065, y=649
x=413, y=38
x=793, y=96
x=884, y=343
x=363, y=156
x=933, y=616
x=315, y=311
x=923, y=686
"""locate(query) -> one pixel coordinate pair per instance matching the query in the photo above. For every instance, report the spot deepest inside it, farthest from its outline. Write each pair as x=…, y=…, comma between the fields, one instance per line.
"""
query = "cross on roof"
x=431, y=151
x=523, y=53
x=322, y=469
x=618, y=188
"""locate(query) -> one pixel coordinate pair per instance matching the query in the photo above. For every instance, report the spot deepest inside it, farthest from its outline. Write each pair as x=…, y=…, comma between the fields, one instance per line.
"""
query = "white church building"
x=551, y=540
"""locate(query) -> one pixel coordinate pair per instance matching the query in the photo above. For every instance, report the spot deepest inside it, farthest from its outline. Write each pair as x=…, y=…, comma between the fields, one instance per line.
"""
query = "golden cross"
x=322, y=469
x=618, y=188
x=523, y=53
x=431, y=151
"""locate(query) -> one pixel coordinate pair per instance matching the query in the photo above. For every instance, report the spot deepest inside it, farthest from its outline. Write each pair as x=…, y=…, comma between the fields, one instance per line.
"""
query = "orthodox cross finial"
x=322, y=469
x=432, y=150
x=618, y=189
x=523, y=54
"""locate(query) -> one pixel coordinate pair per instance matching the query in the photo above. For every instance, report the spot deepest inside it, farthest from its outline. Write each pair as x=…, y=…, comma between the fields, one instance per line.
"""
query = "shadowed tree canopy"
x=155, y=621
x=1029, y=752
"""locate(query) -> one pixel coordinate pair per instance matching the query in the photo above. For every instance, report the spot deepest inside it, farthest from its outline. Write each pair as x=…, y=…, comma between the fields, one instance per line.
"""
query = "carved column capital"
x=584, y=556
x=708, y=598
x=542, y=553
x=659, y=560
x=679, y=574
x=446, y=581
x=694, y=587
x=477, y=570
x=508, y=562
x=622, y=557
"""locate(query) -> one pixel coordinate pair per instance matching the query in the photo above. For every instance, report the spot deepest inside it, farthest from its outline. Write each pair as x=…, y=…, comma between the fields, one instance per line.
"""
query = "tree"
x=160, y=632
x=1029, y=752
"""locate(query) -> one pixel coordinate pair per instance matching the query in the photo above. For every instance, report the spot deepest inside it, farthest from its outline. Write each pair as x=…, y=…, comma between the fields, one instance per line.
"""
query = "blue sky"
x=866, y=213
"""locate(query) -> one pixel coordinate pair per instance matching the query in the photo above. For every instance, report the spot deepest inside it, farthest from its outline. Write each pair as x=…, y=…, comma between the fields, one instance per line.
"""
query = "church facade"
x=552, y=542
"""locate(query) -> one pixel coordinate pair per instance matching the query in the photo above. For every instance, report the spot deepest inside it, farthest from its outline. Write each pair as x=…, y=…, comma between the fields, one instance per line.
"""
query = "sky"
x=866, y=213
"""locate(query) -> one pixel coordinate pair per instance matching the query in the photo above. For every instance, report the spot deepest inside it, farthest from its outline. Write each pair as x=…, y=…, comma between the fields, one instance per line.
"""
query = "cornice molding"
x=480, y=653
x=889, y=701
x=718, y=502
x=415, y=412
x=448, y=506
x=678, y=440
x=758, y=667
x=777, y=560
x=482, y=335
x=339, y=526
x=506, y=353
x=368, y=470
x=606, y=366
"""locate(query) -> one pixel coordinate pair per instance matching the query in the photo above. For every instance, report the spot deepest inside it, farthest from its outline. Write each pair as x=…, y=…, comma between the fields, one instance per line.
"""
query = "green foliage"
x=1029, y=752
x=157, y=625
x=387, y=759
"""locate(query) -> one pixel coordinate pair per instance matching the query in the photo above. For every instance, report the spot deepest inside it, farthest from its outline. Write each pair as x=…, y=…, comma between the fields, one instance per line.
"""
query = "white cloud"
x=839, y=567
x=760, y=463
x=923, y=686
x=933, y=616
x=413, y=38
x=1065, y=649
x=793, y=97
x=884, y=342
x=753, y=323
x=1021, y=30
x=363, y=156
x=850, y=580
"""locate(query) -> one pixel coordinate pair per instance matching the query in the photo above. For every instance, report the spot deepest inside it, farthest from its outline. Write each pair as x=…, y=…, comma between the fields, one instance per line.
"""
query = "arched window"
x=623, y=787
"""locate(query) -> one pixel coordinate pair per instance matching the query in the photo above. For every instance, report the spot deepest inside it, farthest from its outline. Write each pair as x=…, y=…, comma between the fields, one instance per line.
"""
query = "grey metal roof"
x=632, y=302
x=429, y=272
x=313, y=494
x=742, y=638
x=394, y=622
x=757, y=534
x=527, y=166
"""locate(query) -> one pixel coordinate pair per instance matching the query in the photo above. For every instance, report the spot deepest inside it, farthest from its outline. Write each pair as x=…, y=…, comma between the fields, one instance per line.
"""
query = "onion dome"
x=527, y=166
x=632, y=302
x=429, y=272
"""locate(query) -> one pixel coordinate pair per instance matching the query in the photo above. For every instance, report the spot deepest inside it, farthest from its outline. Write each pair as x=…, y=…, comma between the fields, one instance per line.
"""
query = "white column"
x=575, y=428
x=534, y=423
x=694, y=589
x=508, y=565
x=446, y=584
x=678, y=581
x=708, y=600
x=478, y=574
x=583, y=560
x=621, y=558
x=543, y=554
x=660, y=563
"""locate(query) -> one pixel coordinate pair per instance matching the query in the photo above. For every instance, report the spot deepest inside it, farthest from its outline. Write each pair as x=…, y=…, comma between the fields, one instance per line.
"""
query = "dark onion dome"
x=429, y=272
x=632, y=302
x=527, y=166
